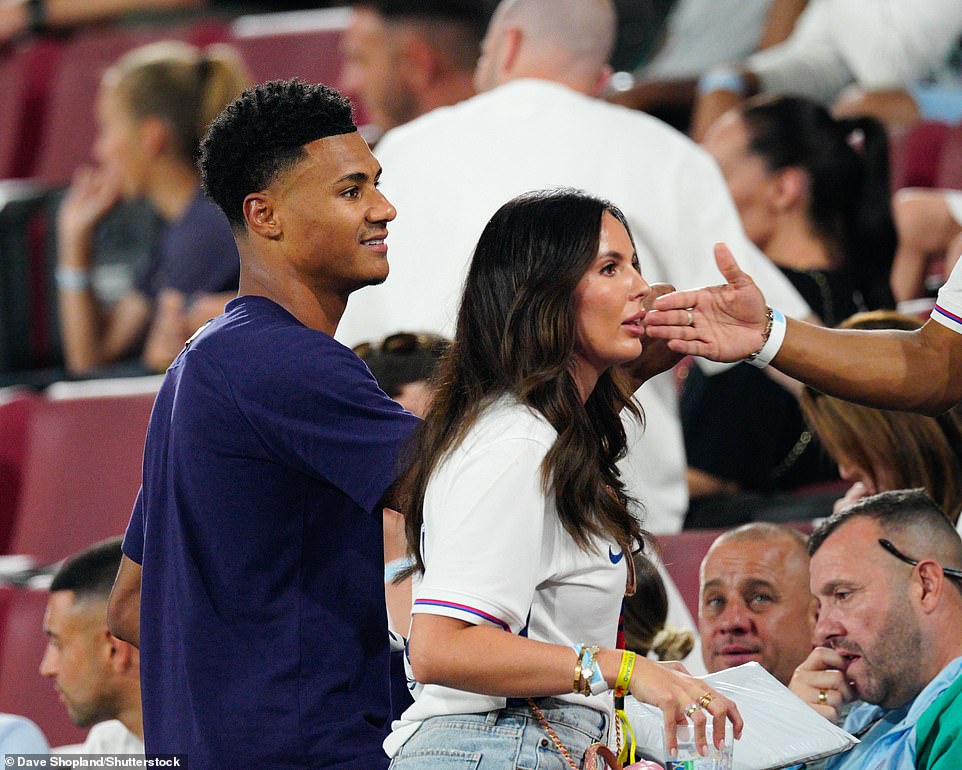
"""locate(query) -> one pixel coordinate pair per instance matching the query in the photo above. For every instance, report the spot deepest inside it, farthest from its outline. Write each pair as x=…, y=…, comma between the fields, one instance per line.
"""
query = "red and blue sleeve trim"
x=957, y=320
x=463, y=608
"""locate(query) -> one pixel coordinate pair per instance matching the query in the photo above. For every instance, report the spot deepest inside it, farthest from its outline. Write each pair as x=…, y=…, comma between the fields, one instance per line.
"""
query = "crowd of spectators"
x=771, y=127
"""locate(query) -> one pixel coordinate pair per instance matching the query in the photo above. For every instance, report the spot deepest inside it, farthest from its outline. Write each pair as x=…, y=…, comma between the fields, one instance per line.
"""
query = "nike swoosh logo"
x=615, y=557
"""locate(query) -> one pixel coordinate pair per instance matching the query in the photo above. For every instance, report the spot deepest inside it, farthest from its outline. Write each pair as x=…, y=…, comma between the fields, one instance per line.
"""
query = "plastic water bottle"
x=688, y=756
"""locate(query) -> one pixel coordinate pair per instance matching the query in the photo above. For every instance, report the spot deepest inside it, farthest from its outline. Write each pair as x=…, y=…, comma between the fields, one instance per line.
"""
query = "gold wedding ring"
x=691, y=710
x=691, y=318
x=705, y=700
x=822, y=697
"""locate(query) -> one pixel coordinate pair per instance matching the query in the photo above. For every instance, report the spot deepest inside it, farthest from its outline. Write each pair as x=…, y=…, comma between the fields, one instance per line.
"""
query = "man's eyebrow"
x=831, y=586
x=713, y=583
x=358, y=177
x=754, y=583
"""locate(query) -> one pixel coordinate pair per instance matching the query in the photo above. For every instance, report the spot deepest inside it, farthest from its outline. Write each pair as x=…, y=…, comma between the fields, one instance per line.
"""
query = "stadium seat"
x=286, y=45
x=69, y=130
x=25, y=72
x=950, y=163
x=915, y=155
x=682, y=555
x=22, y=689
x=16, y=411
x=81, y=474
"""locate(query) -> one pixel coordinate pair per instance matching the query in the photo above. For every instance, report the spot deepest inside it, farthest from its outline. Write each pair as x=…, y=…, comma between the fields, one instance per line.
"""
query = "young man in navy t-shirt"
x=253, y=560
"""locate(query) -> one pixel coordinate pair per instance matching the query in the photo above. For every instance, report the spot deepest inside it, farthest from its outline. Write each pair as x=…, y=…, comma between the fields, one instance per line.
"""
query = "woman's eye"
x=609, y=269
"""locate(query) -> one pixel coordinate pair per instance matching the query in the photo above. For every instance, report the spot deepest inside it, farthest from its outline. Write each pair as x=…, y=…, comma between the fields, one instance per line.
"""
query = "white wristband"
x=72, y=279
x=722, y=79
x=774, y=342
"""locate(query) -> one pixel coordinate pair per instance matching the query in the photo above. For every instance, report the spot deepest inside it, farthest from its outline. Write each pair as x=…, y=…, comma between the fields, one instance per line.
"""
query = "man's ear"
x=511, y=51
x=121, y=654
x=261, y=216
x=931, y=583
x=419, y=62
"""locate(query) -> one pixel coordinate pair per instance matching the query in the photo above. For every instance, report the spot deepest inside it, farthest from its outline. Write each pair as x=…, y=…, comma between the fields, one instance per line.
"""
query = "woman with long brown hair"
x=518, y=521
x=879, y=450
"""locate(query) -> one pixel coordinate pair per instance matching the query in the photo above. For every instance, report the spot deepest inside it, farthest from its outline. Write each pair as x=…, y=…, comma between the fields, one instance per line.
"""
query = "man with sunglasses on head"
x=887, y=574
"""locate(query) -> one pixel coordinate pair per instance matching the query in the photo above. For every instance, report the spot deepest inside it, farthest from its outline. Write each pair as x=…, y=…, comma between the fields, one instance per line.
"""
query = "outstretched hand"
x=724, y=323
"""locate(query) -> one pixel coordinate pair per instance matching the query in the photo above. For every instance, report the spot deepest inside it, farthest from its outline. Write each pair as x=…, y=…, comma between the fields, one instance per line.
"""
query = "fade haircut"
x=262, y=134
x=456, y=27
x=90, y=573
x=910, y=513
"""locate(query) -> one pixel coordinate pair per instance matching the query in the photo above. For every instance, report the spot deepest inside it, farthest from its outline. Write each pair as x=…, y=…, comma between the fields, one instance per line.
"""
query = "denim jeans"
x=507, y=738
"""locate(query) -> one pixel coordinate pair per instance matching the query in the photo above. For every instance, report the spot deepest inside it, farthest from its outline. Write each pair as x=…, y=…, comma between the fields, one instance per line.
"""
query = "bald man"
x=755, y=603
x=536, y=123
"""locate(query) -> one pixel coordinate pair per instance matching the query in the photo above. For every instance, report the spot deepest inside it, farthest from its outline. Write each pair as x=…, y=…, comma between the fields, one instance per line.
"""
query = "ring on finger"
x=822, y=697
x=692, y=709
x=691, y=318
x=705, y=700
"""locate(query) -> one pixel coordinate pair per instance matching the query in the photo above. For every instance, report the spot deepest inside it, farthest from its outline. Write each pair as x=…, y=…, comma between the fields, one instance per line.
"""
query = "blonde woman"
x=152, y=109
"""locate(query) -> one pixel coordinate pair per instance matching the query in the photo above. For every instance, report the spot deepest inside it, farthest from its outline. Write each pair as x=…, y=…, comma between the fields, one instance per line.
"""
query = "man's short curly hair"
x=262, y=134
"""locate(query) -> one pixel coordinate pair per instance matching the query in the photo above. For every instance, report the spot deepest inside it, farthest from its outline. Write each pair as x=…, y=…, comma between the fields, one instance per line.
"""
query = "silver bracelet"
x=72, y=279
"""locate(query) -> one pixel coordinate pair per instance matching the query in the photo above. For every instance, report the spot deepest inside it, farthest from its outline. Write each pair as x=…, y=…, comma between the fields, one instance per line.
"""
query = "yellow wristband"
x=624, y=673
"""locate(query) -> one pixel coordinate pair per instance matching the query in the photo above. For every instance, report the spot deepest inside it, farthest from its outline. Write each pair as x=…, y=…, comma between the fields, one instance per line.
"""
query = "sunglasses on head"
x=887, y=545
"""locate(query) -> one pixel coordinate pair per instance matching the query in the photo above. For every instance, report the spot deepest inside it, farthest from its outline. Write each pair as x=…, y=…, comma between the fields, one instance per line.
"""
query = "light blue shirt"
x=890, y=743
x=18, y=735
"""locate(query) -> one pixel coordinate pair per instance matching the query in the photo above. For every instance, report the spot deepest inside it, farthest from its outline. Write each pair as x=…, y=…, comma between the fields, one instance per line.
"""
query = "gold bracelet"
x=578, y=687
x=624, y=673
x=765, y=335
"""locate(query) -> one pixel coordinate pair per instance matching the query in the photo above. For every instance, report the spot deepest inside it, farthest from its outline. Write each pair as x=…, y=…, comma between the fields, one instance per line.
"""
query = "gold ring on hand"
x=691, y=710
x=691, y=318
x=822, y=697
x=705, y=700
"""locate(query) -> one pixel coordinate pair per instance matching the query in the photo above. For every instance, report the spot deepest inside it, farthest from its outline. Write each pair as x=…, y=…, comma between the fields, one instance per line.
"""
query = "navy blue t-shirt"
x=263, y=627
x=196, y=253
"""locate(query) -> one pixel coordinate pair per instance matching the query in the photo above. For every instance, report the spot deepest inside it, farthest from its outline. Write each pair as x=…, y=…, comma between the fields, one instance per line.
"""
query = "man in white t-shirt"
x=97, y=674
x=917, y=370
x=536, y=124
x=882, y=47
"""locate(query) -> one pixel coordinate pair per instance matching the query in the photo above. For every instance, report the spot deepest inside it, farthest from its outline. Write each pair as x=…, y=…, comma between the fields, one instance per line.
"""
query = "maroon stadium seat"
x=70, y=127
x=16, y=411
x=682, y=555
x=82, y=473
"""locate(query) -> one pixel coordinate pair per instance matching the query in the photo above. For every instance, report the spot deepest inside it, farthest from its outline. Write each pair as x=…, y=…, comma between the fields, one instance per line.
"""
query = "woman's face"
x=118, y=148
x=749, y=180
x=608, y=307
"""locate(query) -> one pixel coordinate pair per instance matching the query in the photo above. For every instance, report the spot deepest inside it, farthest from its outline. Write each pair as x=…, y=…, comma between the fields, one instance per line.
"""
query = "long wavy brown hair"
x=901, y=450
x=516, y=336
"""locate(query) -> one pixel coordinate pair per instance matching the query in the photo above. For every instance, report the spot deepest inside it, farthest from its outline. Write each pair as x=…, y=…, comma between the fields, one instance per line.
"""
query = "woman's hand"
x=670, y=687
x=93, y=192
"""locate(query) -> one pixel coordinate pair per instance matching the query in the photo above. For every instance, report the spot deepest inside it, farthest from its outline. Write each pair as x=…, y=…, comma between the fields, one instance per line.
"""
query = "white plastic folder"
x=781, y=730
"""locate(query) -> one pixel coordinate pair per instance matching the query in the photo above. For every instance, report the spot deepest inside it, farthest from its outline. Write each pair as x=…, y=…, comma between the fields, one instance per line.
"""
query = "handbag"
x=596, y=752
